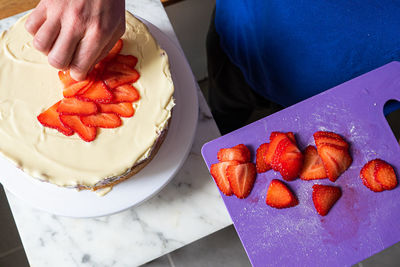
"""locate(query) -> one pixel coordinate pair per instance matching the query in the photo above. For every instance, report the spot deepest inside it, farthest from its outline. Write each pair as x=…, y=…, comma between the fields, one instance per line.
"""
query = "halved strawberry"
x=280, y=196
x=125, y=93
x=98, y=93
x=103, y=120
x=241, y=178
x=74, y=106
x=74, y=122
x=114, y=51
x=124, y=109
x=239, y=153
x=219, y=173
x=336, y=159
x=385, y=175
x=275, y=139
x=322, y=137
x=114, y=79
x=50, y=118
x=313, y=168
x=367, y=175
x=261, y=165
x=324, y=197
x=129, y=60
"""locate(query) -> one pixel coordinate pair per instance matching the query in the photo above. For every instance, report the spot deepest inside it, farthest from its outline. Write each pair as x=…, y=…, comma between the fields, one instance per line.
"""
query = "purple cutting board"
x=362, y=222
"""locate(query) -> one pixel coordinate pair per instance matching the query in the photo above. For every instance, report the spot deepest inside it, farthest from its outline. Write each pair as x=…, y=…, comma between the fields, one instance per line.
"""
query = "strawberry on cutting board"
x=334, y=153
x=261, y=165
x=241, y=178
x=378, y=176
x=313, y=168
x=238, y=153
x=324, y=197
x=280, y=196
x=219, y=173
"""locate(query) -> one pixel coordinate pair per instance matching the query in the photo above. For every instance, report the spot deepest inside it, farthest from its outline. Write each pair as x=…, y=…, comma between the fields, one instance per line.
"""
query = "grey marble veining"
x=187, y=209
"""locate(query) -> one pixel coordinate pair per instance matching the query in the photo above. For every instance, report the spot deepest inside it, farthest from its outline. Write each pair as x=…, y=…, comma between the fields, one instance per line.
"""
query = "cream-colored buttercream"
x=29, y=85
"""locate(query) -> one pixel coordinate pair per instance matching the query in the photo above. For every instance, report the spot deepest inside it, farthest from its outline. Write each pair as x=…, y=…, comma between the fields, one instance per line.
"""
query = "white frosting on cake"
x=29, y=85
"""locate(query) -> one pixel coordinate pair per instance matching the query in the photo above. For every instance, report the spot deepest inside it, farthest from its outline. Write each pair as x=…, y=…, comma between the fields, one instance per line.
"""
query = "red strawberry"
x=103, y=120
x=219, y=173
x=275, y=139
x=98, y=93
x=74, y=122
x=50, y=118
x=239, y=153
x=378, y=175
x=324, y=197
x=125, y=93
x=124, y=109
x=114, y=79
x=385, y=175
x=114, y=51
x=322, y=137
x=65, y=78
x=72, y=87
x=313, y=168
x=280, y=196
x=336, y=159
x=129, y=60
x=261, y=165
x=74, y=106
x=241, y=178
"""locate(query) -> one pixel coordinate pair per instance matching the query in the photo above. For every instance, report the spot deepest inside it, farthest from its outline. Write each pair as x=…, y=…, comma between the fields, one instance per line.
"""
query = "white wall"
x=190, y=19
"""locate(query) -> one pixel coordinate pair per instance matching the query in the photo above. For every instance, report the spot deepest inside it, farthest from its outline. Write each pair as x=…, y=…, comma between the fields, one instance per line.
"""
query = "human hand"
x=76, y=34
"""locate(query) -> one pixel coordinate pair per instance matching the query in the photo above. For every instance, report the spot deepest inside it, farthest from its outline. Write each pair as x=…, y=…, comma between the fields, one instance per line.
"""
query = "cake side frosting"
x=28, y=85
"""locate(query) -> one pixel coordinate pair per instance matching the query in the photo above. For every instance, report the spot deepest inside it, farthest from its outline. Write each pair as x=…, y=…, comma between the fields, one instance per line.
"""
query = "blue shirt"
x=291, y=50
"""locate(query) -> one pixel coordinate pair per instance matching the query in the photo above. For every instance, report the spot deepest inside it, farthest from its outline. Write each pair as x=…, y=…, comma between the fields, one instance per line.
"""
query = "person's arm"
x=76, y=34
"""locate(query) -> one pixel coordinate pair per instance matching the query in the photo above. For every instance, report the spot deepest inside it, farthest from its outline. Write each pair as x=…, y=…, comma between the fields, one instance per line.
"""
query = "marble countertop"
x=187, y=209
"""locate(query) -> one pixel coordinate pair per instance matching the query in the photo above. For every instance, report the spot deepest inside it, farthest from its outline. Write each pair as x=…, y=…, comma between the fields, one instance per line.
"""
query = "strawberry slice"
x=336, y=159
x=65, y=78
x=114, y=79
x=279, y=195
x=313, y=168
x=275, y=139
x=74, y=122
x=124, y=109
x=385, y=175
x=128, y=60
x=50, y=118
x=74, y=106
x=98, y=93
x=72, y=87
x=324, y=197
x=261, y=165
x=219, y=173
x=322, y=137
x=239, y=153
x=114, y=51
x=125, y=93
x=103, y=120
x=367, y=175
x=241, y=178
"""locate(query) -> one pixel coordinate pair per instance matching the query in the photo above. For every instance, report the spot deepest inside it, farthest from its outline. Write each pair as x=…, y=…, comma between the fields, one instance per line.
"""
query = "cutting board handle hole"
x=392, y=114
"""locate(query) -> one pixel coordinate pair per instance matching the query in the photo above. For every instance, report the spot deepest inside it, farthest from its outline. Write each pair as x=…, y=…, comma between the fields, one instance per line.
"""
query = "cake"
x=29, y=85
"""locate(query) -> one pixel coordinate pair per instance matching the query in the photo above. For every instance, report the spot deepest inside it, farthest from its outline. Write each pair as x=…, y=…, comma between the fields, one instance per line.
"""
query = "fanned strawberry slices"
x=378, y=176
x=99, y=101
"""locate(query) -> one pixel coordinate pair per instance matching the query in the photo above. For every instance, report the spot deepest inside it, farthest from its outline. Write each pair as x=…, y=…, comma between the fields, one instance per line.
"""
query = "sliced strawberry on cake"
x=74, y=122
x=334, y=153
x=128, y=60
x=378, y=176
x=125, y=93
x=74, y=106
x=279, y=195
x=103, y=120
x=72, y=87
x=261, y=165
x=114, y=51
x=117, y=74
x=324, y=197
x=219, y=173
x=238, y=153
x=313, y=168
x=51, y=118
x=124, y=109
x=241, y=178
x=98, y=93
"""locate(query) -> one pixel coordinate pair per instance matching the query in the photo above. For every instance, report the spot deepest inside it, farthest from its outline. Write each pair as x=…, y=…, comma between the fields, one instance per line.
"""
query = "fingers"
x=46, y=35
x=64, y=47
x=35, y=20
